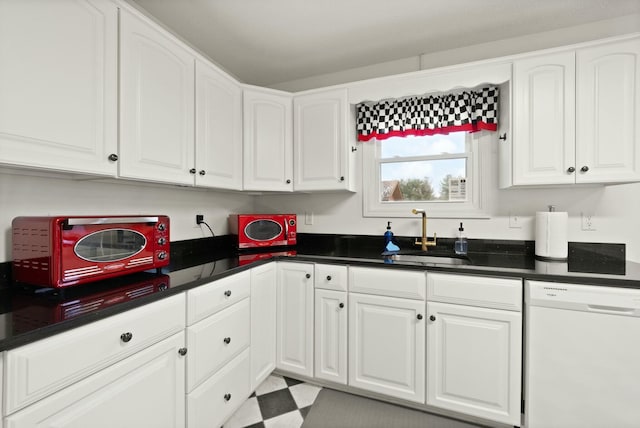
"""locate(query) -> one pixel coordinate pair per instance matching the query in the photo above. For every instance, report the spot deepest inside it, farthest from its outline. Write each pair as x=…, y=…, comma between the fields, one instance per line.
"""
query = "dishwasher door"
x=582, y=356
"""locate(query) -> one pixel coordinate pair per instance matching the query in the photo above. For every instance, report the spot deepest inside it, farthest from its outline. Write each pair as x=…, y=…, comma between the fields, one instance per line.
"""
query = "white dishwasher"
x=582, y=356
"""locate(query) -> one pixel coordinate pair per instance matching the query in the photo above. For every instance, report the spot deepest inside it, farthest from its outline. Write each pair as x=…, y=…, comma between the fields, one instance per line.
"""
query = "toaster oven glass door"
x=110, y=245
x=263, y=230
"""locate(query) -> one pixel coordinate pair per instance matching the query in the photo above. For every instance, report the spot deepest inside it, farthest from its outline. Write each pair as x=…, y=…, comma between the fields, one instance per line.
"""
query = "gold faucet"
x=424, y=242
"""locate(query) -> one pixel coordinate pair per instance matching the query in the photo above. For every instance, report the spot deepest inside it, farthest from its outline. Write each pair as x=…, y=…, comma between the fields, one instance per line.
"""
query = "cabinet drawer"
x=207, y=345
x=331, y=277
x=211, y=404
x=488, y=292
x=144, y=390
x=210, y=298
x=38, y=369
x=388, y=282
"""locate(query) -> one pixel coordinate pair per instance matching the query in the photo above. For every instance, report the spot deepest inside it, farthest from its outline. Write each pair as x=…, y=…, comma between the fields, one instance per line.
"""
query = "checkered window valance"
x=471, y=110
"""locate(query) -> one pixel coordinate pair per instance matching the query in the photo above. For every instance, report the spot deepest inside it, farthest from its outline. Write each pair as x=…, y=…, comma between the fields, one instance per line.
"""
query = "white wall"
x=25, y=195
x=516, y=45
x=614, y=209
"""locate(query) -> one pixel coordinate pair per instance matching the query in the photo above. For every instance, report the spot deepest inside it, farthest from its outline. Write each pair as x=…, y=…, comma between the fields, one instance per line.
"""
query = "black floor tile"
x=256, y=425
x=291, y=382
x=305, y=411
x=276, y=403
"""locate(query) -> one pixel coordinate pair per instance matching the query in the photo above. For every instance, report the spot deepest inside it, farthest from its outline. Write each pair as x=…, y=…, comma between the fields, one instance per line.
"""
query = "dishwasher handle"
x=611, y=309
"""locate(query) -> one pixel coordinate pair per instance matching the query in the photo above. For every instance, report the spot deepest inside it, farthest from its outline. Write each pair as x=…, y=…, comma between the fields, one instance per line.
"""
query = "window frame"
x=478, y=146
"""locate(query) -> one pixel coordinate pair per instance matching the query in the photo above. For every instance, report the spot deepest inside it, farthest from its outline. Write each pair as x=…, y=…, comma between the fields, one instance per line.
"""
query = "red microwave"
x=263, y=230
x=63, y=251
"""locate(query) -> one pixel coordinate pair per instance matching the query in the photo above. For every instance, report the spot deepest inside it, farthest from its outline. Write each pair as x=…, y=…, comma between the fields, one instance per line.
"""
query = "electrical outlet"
x=199, y=218
x=515, y=221
x=308, y=218
x=587, y=222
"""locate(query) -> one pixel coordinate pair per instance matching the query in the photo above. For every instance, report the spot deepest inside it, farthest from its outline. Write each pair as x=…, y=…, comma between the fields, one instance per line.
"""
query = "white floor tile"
x=247, y=414
x=304, y=394
x=288, y=420
x=270, y=384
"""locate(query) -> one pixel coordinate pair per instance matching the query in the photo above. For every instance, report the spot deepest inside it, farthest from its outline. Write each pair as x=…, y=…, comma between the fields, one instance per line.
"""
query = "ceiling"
x=266, y=42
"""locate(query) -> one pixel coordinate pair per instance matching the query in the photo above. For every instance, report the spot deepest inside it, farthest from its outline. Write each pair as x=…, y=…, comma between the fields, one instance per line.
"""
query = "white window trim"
x=477, y=191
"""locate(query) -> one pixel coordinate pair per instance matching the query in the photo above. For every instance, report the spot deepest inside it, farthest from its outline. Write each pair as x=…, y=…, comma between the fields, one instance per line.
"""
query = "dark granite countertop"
x=29, y=313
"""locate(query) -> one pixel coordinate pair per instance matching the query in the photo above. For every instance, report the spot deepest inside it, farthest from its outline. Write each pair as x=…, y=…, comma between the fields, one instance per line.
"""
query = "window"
x=438, y=173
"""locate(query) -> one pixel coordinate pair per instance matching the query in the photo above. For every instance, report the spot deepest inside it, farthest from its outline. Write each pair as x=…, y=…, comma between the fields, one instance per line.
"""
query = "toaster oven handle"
x=286, y=229
x=77, y=221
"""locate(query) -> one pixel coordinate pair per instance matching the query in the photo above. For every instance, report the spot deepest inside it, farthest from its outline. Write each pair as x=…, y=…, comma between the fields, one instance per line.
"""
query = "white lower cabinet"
x=331, y=335
x=213, y=402
x=144, y=390
x=474, y=352
x=386, y=345
x=294, y=342
x=263, y=323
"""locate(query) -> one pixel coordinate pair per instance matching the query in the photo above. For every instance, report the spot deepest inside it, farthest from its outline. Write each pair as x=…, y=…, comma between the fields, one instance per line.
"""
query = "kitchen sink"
x=432, y=258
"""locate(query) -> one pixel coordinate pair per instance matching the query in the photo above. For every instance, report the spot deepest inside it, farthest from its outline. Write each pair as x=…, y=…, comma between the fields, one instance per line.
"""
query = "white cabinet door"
x=156, y=103
x=474, y=361
x=144, y=390
x=268, y=141
x=544, y=120
x=331, y=335
x=321, y=151
x=294, y=350
x=608, y=113
x=218, y=160
x=58, y=85
x=386, y=345
x=263, y=323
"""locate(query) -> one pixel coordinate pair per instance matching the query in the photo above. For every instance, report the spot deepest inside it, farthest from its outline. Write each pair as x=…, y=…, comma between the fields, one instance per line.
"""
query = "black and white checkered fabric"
x=434, y=114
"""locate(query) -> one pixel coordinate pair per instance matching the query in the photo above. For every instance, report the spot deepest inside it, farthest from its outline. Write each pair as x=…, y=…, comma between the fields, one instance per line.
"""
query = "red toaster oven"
x=64, y=251
x=263, y=230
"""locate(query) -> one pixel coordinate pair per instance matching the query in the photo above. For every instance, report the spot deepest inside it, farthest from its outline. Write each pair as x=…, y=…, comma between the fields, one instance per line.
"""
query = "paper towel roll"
x=551, y=235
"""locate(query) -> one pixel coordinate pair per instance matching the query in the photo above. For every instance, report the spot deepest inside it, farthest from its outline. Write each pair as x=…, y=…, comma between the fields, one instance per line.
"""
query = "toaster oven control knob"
x=113, y=157
x=161, y=226
x=162, y=241
x=292, y=222
x=162, y=255
x=126, y=337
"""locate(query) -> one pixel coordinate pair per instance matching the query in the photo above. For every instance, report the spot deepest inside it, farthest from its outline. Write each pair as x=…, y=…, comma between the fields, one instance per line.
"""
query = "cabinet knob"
x=571, y=169
x=288, y=181
x=202, y=172
x=341, y=305
x=182, y=351
x=584, y=168
x=192, y=171
x=125, y=337
x=342, y=178
x=227, y=397
x=328, y=277
x=227, y=293
x=432, y=317
x=113, y=157
x=419, y=316
x=227, y=340
x=308, y=276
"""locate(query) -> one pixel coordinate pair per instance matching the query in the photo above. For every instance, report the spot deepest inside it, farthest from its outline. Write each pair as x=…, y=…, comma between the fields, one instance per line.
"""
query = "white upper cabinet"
x=268, y=140
x=544, y=119
x=218, y=159
x=321, y=151
x=576, y=116
x=156, y=103
x=608, y=113
x=58, y=85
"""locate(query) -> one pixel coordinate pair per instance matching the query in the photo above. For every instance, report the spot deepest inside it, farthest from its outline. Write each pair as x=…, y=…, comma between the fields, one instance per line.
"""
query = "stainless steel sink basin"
x=428, y=258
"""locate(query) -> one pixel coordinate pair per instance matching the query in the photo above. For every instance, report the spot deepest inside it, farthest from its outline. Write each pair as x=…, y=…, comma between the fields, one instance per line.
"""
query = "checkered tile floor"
x=279, y=402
